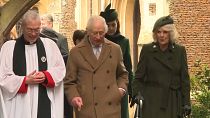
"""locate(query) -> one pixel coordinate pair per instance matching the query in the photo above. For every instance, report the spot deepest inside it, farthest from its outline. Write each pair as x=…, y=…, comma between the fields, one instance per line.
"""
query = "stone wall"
x=192, y=19
x=68, y=24
x=63, y=12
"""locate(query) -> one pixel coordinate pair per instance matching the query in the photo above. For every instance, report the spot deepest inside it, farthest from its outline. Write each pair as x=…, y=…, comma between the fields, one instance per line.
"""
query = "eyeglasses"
x=30, y=30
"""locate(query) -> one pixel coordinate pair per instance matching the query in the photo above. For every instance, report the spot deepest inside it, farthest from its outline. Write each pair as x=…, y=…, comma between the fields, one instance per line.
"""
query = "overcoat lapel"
x=87, y=52
x=104, y=54
x=163, y=61
x=166, y=61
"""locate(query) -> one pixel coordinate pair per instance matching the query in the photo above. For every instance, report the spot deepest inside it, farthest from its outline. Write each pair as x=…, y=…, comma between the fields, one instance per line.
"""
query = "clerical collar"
x=29, y=43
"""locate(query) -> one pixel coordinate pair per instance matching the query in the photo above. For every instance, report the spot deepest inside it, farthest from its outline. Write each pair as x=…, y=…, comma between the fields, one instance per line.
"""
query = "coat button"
x=108, y=87
x=110, y=103
x=94, y=72
x=110, y=56
x=107, y=71
x=96, y=104
x=94, y=88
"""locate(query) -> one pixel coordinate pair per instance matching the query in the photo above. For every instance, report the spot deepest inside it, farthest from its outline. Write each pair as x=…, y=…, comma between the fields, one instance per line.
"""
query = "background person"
x=113, y=34
x=78, y=36
x=162, y=74
x=47, y=31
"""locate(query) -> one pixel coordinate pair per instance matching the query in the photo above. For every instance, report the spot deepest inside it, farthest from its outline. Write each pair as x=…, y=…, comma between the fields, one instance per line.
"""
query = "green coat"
x=163, y=80
x=125, y=47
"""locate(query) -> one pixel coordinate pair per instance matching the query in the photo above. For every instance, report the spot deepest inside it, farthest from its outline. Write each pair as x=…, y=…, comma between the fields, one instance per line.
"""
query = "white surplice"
x=2, y=106
x=24, y=105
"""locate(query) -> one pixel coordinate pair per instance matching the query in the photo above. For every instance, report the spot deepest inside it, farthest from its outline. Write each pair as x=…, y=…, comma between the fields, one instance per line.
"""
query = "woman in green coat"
x=162, y=75
x=113, y=34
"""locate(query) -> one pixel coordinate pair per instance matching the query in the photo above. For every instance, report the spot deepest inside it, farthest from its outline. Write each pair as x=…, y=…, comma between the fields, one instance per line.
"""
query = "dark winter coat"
x=163, y=80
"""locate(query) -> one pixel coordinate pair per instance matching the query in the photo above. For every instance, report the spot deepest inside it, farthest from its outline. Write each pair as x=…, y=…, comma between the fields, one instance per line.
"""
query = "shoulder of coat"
x=150, y=45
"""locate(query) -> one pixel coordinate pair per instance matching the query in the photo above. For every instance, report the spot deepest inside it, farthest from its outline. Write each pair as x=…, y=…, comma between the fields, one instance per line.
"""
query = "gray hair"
x=92, y=20
x=47, y=17
x=173, y=34
x=30, y=15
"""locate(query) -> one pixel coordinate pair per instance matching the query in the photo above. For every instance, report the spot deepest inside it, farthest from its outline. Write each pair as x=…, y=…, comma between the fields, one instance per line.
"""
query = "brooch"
x=43, y=59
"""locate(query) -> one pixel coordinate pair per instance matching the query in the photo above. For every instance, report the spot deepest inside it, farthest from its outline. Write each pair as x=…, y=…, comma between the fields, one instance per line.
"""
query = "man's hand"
x=122, y=91
x=35, y=77
x=77, y=103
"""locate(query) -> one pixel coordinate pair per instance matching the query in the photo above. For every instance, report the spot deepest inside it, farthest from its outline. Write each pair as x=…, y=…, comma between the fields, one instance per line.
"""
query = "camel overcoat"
x=96, y=81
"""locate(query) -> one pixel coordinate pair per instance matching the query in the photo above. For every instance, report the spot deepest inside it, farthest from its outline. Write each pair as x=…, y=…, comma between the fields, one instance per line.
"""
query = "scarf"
x=19, y=68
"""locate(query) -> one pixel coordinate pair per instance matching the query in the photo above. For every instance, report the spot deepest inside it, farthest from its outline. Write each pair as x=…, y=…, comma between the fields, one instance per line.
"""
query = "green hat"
x=162, y=21
x=109, y=14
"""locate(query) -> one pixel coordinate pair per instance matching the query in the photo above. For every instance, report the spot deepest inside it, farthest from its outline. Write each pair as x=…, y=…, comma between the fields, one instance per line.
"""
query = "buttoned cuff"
x=24, y=87
x=49, y=82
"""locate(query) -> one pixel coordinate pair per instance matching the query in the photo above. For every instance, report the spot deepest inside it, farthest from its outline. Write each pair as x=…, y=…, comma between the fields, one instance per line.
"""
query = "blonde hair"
x=173, y=34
